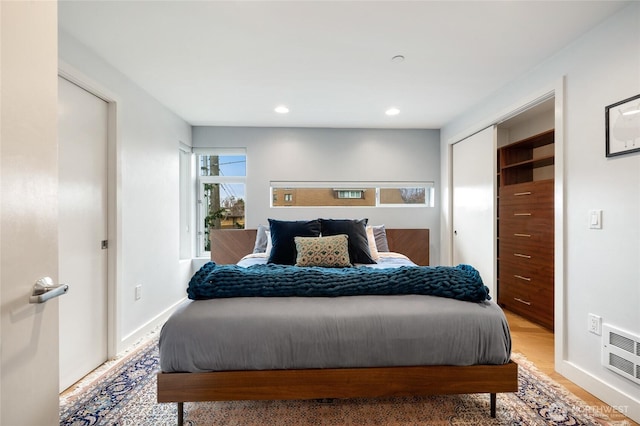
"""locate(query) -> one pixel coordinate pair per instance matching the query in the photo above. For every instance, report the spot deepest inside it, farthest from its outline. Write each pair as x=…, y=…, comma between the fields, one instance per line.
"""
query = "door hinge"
x=105, y=244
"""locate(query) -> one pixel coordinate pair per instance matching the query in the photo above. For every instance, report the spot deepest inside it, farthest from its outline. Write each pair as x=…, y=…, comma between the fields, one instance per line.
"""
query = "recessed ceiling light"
x=281, y=109
x=392, y=111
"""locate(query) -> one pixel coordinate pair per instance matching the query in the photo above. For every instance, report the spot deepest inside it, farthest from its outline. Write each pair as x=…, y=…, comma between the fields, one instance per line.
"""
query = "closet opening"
x=525, y=182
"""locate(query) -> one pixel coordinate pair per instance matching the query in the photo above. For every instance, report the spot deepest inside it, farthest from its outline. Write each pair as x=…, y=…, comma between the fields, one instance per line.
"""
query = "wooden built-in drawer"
x=536, y=192
x=525, y=232
x=525, y=203
x=529, y=274
x=527, y=290
x=531, y=303
x=516, y=299
x=533, y=273
x=536, y=214
x=525, y=253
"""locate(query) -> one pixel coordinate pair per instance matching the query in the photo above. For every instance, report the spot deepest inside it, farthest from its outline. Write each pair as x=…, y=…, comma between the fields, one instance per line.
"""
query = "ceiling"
x=230, y=63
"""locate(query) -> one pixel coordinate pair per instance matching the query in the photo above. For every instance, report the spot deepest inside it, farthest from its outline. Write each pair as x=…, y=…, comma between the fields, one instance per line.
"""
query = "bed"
x=243, y=347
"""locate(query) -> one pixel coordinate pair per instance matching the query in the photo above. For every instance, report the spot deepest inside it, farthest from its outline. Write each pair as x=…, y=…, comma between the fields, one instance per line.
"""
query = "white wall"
x=314, y=154
x=146, y=192
x=602, y=267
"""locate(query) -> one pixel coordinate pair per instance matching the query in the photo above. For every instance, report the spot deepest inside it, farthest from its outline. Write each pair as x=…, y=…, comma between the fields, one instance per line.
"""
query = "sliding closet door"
x=474, y=200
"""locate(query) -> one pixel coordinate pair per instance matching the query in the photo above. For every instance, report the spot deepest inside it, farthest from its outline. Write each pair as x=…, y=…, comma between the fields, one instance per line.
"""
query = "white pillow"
x=372, y=244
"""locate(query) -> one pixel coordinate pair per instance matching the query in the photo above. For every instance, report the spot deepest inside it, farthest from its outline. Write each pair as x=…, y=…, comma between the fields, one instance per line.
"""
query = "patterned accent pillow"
x=328, y=252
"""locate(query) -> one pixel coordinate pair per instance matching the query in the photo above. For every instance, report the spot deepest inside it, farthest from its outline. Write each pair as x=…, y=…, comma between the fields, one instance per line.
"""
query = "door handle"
x=44, y=289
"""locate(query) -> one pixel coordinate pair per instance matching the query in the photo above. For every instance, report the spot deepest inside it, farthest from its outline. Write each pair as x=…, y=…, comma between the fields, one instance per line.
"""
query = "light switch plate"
x=138, y=291
x=595, y=219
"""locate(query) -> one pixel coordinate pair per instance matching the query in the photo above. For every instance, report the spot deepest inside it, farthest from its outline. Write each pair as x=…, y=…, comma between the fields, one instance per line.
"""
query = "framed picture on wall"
x=622, y=123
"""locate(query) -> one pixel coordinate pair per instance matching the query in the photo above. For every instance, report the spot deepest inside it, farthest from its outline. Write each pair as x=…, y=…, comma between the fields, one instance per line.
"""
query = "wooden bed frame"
x=375, y=382
x=228, y=246
x=337, y=383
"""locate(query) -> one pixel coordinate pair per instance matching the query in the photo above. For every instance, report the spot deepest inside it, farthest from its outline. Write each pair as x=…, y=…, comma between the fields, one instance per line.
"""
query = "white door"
x=474, y=200
x=28, y=212
x=82, y=130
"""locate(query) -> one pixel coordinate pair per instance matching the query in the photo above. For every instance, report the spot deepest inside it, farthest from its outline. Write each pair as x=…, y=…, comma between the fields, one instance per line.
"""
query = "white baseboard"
x=617, y=399
x=128, y=340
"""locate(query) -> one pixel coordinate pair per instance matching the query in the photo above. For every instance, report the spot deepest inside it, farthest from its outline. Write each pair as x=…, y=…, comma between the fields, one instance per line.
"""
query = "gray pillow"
x=380, y=235
x=261, y=239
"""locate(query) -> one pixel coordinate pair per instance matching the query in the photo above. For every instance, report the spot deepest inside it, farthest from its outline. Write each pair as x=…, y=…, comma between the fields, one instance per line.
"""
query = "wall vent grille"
x=621, y=363
x=621, y=342
x=621, y=352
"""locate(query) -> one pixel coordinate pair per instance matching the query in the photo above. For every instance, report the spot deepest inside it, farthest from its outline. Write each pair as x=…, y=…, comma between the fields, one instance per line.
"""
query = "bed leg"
x=492, y=402
x=180, y=413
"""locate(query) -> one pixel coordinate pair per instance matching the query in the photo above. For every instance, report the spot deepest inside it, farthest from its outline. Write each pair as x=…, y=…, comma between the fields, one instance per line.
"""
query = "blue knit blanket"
x=213, y=281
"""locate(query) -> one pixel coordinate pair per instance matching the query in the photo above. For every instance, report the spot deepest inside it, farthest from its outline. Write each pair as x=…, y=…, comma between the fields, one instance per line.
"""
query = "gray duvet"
x=355, y=331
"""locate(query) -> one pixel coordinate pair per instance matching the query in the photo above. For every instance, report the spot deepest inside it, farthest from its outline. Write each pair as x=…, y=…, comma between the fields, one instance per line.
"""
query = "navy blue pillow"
x=356, y=229
x=283, y=232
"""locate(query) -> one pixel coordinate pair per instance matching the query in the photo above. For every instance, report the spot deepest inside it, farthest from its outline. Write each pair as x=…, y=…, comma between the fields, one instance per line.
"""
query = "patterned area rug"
x=124, y=393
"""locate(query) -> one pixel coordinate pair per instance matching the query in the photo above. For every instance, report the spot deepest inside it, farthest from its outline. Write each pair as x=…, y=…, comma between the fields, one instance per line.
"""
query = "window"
x=352, y=194
x=221, y=193
x=403, y=196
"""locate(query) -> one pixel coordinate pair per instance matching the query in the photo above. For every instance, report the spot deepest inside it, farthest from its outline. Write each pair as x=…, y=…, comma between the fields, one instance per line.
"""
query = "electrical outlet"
x=595, y=324
x=138, y=291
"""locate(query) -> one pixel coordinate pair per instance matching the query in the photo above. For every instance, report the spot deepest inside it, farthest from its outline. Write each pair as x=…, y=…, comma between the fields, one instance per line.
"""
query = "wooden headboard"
x=230, y=245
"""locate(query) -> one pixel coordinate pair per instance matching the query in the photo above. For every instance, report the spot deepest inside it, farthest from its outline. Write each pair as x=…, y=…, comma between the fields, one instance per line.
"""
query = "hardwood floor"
x=536, y=343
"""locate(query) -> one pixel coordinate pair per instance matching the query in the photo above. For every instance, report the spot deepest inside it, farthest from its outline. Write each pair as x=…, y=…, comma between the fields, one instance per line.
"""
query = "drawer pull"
x=520, y=277
x=520, y=194
x=517, y=299
x=522, y=235
x=522, y=214
x=525, y=256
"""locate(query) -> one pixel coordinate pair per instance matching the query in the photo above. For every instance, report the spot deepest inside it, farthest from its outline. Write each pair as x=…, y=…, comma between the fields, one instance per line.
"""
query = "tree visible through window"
x=222, y=194
x=401, y=196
